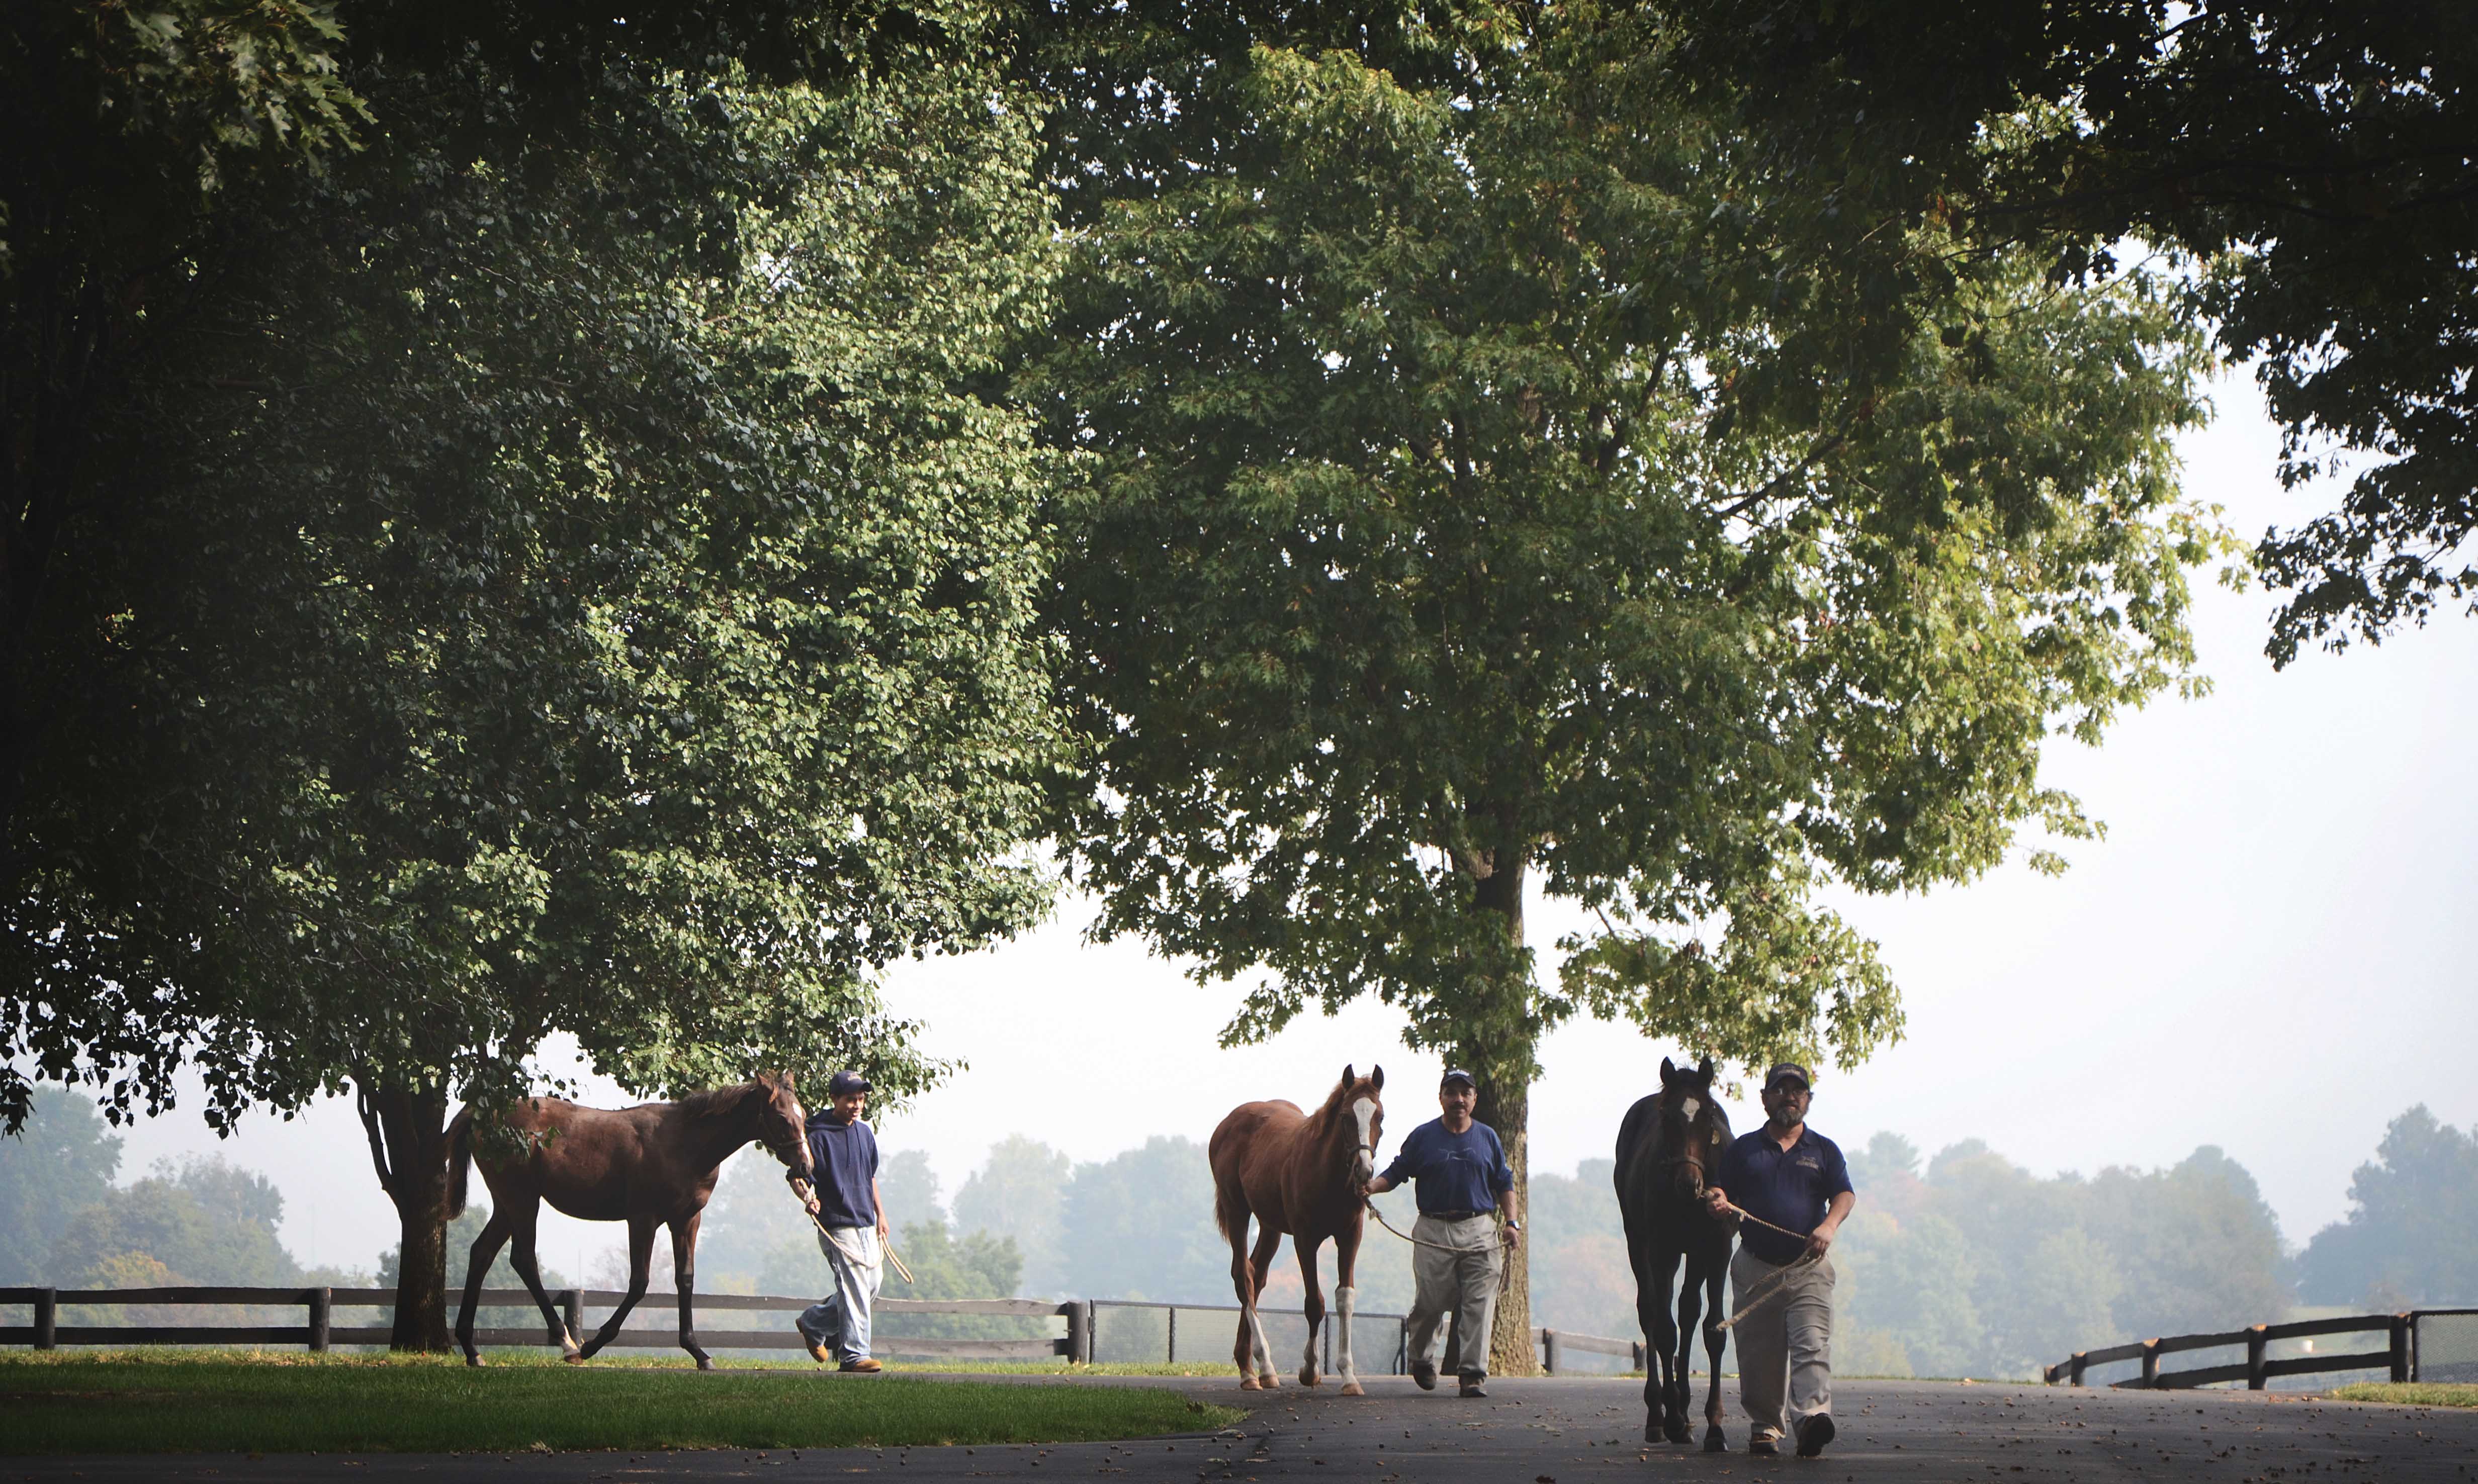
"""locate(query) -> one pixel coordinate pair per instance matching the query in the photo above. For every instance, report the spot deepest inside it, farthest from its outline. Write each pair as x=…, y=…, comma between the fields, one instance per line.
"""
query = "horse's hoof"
x=574, y=1357
x=1652, y=1429
x=1677, y=1432
x=1354, y=1389
x=473, y=1359
x=703, y=1364
x=1715, y=1440
x=1248, y=1383
x=1308, y=1378
x=1270, y=1382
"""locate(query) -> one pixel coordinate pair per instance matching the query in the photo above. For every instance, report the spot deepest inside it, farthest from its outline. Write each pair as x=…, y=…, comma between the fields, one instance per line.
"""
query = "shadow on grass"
x=173, y=1402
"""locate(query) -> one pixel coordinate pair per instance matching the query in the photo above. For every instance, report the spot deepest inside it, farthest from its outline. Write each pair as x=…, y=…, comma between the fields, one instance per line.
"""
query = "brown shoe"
x=817, y=1353
x=865, y=1366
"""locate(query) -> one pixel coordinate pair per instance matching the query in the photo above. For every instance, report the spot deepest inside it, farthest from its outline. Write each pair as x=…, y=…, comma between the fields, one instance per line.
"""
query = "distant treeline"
x=1967, y=1264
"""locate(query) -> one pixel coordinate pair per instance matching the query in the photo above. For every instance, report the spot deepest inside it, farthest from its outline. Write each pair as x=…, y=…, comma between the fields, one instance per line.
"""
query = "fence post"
x=47, y=1318
x=2151, y=1362
x=1170, y=1348
x=1080, y=1331
x=2400, y=1347
x=2077, y=1367
x=571, y=1313
x=1548, y=1352
x=322, y=1301
x=2257, y=1377
x=1642, y=1362
x=1402, y=1345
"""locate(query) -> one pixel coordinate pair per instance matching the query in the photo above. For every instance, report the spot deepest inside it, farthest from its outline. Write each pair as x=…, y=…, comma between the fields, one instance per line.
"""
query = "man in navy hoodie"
x=851, y=1223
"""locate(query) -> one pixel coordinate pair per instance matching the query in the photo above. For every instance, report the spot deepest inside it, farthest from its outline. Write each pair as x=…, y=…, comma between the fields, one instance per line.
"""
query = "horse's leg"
x=477, y=1266
x=684, y=1235
x=1305, y=1248
x=1260, y=1267
x=1653, y=1302
x=1716, y=1273
x=641, y=1261
x=1346, y=1271
x=523, y=1225
x=1243, y=1351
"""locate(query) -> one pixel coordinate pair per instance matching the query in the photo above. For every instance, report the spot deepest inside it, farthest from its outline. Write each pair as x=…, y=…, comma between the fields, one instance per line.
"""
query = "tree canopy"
x=2405, y=1240
x=1508, y=477
x=559, y=576
x=2316, y=161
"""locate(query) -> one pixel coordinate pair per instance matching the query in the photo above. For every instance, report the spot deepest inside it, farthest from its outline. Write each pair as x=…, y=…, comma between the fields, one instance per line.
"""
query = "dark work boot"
x=1813, y=1433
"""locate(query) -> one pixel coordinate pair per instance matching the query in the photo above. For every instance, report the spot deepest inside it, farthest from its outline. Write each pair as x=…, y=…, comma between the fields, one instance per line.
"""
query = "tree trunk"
x=1497, y=1049
x=408, y=1133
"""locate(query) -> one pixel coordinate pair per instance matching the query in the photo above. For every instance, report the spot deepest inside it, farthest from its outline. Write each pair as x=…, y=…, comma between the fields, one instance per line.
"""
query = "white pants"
x=1785, y=1345
x=840, y=1322
x=1463, y=1283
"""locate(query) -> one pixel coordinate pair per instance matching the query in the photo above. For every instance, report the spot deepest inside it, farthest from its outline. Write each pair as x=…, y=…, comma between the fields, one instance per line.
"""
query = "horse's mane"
x=1323, y=1120
x=716, y=1101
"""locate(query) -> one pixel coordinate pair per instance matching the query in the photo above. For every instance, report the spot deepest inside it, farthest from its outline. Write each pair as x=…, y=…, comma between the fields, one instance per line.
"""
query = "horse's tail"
x=459, y=1160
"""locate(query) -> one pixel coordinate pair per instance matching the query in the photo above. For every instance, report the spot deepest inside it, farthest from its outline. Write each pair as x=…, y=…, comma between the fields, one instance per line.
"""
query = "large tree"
x=557, y=577
x=1502, y=481
x=2316, y=161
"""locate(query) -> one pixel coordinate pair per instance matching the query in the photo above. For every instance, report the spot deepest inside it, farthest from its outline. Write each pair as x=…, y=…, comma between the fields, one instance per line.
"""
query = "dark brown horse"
x=1297, y=1174
x=1668, y=1148
x=650, y=1166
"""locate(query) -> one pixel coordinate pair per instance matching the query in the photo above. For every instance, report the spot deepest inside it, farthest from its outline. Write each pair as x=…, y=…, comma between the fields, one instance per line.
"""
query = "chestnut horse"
x=1302, y=1174
x=1667, y=1148
x=653, y=1164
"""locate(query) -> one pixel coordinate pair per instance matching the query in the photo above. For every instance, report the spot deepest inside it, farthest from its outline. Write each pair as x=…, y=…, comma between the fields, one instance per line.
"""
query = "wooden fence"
x=319, y=1330
x=2398, y=1357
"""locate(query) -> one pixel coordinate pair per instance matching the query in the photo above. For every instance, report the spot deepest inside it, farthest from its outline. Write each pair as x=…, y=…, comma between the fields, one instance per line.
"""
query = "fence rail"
x=2398, y=1358
x=319, y=1331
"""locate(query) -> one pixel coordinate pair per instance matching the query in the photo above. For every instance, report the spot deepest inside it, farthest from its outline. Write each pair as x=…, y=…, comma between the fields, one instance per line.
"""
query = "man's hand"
x=1716, y=1200
x=809, y=1203
x=1820, y=1240
x=1376, y=1184
x=1513, y=1238
x=882, y=1228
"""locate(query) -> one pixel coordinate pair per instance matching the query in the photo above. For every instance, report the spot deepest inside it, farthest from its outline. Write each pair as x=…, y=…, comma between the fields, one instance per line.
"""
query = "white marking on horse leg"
x=1264, y=1349
x=1345, y=1301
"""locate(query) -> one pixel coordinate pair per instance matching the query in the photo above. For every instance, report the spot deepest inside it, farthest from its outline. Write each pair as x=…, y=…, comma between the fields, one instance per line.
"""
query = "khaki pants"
x=1461, y=1282
x=1785, y=1345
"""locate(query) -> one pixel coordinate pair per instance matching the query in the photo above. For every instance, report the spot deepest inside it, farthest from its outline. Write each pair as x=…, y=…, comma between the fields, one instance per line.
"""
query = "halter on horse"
x=1302, y=1174
x=1665, y=1148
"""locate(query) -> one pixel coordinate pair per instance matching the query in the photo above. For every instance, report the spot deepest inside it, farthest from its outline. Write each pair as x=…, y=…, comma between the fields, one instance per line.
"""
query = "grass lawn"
x=2410, y=1394
x=136, y=1401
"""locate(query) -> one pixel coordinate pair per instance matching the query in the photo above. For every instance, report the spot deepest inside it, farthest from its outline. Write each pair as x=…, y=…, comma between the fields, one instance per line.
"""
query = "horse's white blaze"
x=1690, y=1108
x=1363, y=1163
x=1344, y=1300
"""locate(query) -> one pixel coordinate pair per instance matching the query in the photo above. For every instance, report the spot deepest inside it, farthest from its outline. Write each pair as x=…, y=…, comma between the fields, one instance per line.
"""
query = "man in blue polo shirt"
x=1463, y=1180
x=1787, y=1174
x=852, y=1225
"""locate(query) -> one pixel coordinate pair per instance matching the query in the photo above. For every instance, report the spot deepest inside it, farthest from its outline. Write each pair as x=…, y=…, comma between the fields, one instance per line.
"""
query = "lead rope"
x=1763, y=1291
x=891, y=1257
x=1504, y=1269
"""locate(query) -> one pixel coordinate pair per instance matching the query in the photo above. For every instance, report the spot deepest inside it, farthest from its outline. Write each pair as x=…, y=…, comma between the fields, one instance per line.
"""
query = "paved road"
x=1562, y=1430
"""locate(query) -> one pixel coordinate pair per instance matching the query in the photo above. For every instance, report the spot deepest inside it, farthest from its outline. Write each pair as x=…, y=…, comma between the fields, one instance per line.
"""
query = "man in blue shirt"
x=1793, y=1178
x=852, y=1225
x=1464, y=1181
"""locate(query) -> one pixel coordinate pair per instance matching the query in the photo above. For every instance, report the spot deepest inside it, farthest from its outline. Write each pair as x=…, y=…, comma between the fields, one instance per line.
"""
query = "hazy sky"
x=2269, y=952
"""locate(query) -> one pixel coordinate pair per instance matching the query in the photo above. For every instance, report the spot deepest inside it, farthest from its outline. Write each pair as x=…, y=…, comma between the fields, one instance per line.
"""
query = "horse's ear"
x=1668, y=1069
x=1376, y=1079
x=1703, y=1072
x=1349, y=1076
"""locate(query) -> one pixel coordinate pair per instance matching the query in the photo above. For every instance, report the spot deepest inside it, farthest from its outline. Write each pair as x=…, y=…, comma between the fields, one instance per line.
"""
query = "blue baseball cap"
x=845, y=1082
x=1454, y=1074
